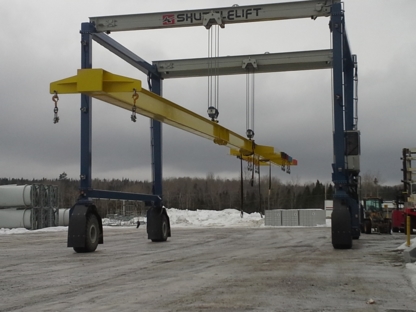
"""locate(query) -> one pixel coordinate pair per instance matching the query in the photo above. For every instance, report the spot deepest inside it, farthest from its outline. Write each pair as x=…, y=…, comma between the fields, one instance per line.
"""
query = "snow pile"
x=211, y=218
x=123, y=221
x=197, y=218
x=23, y=231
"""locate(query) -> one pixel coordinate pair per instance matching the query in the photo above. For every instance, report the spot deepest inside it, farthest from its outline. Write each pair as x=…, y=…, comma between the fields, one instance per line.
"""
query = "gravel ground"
x=210, y=269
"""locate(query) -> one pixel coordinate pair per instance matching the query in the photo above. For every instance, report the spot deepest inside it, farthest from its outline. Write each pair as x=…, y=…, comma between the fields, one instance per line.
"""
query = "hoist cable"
x=250, y=100
x=247, y=99
x=210, y=67
x=270, y=185
x=241, y=186
x=213, y=71
x=217, y=77
x=260, y=208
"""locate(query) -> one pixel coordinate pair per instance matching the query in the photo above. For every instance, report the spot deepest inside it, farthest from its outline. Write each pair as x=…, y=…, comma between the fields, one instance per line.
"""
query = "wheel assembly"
x=341, y=227
x=92, y=234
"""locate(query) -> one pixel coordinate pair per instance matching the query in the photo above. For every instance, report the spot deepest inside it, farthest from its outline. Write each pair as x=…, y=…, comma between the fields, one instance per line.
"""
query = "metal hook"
x=55, y=98
x=135, y=96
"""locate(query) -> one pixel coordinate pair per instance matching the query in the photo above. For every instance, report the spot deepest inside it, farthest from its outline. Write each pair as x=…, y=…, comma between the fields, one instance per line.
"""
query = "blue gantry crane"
x=85, y=227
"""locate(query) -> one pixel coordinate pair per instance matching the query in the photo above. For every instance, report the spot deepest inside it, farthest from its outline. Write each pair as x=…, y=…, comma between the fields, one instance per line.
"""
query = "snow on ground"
x=25, y=231
x=202, y=218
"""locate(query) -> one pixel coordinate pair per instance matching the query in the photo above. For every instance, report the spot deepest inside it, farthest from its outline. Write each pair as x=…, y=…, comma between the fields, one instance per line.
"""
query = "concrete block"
x=290, y=217
x=311, y=217
x=273, y=217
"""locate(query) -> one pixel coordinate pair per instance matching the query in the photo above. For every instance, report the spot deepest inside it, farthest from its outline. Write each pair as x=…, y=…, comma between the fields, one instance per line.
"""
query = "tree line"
x=216, y=193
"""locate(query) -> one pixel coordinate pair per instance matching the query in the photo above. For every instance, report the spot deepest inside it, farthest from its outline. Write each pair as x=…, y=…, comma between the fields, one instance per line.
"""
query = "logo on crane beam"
x=195, y=17
x=168, y=19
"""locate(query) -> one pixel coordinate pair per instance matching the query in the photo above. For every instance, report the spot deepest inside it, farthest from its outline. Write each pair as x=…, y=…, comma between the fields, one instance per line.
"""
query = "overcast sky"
x=293, y=111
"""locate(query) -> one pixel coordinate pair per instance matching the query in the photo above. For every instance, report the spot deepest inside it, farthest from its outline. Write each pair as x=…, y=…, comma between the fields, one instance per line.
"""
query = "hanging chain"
x=55, y=99
x=149, y=81
x=135, y=96
x=252, y=171
x=249, y=165
x=257, y=166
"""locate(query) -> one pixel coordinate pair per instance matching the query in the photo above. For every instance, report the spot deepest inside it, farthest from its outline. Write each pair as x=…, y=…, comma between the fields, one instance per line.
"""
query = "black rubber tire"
x=164, y=230
x=92, y=235
x=395, y=230
x=367, y=226
x=341, y=228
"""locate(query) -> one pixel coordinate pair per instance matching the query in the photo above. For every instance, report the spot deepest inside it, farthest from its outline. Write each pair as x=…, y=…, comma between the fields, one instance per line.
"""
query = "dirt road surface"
x=208, y=269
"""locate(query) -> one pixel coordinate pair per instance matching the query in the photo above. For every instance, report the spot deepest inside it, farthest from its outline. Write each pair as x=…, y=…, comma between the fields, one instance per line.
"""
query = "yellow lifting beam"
x=119, y=90
x=263, y=161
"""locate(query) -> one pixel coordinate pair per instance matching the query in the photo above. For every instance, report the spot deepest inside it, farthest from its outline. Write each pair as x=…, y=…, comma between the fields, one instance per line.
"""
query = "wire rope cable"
x=213, y=72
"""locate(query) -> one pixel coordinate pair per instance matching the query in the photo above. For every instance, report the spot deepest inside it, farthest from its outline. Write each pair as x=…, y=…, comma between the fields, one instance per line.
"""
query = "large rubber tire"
x=92, y=235
x=341, y=228
x=164, y=230
x=395, y=229
x=367, y=226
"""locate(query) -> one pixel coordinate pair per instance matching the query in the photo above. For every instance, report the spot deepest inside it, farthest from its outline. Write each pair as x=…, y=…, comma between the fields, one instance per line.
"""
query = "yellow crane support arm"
x=118, y=90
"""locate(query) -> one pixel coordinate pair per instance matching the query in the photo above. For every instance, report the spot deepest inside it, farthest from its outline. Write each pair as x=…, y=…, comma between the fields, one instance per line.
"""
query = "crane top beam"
x=119, y=91
x=207, y=17
x=234, y=65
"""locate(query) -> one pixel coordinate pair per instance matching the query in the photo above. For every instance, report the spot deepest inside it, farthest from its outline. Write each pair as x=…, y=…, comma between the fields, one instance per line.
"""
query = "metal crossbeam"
x=229, y=15
x=233, y=65
x=118, y=90
x=124, y=53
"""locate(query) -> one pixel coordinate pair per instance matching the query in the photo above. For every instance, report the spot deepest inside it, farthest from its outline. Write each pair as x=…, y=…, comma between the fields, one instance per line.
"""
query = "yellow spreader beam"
x=119, y=90
x=264, y=161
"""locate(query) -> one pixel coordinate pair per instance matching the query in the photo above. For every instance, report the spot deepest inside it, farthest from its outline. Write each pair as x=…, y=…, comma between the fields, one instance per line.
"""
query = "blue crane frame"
x=345, y=218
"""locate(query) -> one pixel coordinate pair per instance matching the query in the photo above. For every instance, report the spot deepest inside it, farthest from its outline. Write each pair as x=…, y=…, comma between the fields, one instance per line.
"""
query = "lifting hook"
x=135, y=96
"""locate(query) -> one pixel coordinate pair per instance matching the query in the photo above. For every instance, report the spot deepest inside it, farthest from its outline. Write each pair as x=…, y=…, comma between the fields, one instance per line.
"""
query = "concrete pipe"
x=15, y=196
x=64, y=217
x=16, y=218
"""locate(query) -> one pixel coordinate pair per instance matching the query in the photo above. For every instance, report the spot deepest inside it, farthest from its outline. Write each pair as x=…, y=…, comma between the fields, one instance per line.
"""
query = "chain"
x=55, y=99
x=135, y=96
x=249, y=165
